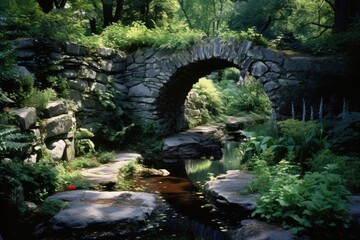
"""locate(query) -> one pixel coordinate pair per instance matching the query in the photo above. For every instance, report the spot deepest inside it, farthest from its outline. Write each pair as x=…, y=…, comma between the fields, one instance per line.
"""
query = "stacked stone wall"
x=155, y=83
x=86, y=71
x=54, y=130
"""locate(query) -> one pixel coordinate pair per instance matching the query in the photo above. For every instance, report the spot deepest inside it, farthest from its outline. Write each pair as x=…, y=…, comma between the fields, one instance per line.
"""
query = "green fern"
x=12, y=141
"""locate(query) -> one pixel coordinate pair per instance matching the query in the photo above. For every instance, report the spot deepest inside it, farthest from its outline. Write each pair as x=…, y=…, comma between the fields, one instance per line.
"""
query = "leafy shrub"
x=250, y=34
x=37, y=180
x=344, y=42
x=205, y=98
x=66, y=177
x=207, y=88
x=302, y=138
x=83, y=144
x=231, y=74
x=138, y=36
x=348, y=167
x=127, y=176
x=257, y=145
x=19, y=88
x=247, y=98
x=318, y=201
x=345, y=134
x=40, y=98
x=60, y=85
x=106, y=157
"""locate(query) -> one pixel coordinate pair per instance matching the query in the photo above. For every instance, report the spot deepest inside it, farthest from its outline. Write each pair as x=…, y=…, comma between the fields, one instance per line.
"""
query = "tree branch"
x=321, y=25
x=181, y=2
x=331, y=4
x=324, y=30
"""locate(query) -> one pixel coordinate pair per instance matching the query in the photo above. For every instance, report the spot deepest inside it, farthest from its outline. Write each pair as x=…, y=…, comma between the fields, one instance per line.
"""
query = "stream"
x=189, y=215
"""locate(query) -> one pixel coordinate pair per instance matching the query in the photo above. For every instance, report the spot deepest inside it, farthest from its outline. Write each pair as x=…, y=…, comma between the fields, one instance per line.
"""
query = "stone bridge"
x=156, y=83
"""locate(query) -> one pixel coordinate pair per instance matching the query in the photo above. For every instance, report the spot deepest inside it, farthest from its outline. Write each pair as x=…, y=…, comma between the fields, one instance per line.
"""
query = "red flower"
x=71, y=187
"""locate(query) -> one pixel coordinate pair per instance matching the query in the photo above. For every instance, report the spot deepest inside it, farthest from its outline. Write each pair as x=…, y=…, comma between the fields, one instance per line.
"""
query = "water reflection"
x=198, y=170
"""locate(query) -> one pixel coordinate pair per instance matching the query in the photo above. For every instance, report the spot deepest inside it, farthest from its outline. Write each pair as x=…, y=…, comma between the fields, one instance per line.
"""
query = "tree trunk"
x=266, y=25
x=107, y=11
x=60, y=4
x=45, y=5
x=92, y=23
x=181, y=2
x=147, y=10
x=119, y=10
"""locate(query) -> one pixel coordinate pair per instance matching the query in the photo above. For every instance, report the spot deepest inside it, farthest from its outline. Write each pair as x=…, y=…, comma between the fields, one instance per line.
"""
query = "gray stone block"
x=258, y=69
x=27, y=117
x=57, y=125
x=68, y=73
x=57, y=148
x=56, y=108
x=101, y=77
x=78, y=84
x=88, y=73
x=106, y=52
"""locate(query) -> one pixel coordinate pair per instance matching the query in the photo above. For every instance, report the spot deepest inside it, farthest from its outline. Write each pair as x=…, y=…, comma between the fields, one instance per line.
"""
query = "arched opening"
x=174, y=93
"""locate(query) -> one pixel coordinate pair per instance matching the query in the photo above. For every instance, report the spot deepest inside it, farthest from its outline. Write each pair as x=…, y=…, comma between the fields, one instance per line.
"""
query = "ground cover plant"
x=308, y=188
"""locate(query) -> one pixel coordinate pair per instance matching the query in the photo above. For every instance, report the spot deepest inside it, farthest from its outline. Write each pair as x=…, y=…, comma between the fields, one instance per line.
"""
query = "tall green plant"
x=302, y=138
x=348, y=167
x=247, y=98
x=317, y=201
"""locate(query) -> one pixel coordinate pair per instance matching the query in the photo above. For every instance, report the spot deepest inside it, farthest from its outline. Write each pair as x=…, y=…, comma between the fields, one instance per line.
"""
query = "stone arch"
x=169, y=76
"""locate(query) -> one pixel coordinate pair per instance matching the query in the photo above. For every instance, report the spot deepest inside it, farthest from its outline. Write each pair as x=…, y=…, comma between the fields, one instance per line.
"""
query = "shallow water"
x=190, y=216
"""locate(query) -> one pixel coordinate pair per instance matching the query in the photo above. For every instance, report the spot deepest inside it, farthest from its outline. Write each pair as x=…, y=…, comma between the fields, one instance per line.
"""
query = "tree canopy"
x=300, y=20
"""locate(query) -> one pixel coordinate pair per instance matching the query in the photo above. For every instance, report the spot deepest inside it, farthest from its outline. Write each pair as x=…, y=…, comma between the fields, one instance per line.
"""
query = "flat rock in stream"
x=235, y=123
x=94, y=209
x=256, y=230
x=226, y=190
x=107, y=173
x=201, y=141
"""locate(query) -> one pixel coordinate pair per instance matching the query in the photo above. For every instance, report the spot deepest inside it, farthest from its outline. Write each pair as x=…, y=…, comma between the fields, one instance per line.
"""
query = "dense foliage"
x=318, y=200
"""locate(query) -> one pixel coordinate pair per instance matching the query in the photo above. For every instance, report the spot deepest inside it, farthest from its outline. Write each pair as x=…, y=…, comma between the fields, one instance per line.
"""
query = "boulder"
x=93, y=213
x=57, y=148
x=201, y=141
x=58, y=125
x=256, y=230
x=227, y=190
x=26, y=116
x=238, y=123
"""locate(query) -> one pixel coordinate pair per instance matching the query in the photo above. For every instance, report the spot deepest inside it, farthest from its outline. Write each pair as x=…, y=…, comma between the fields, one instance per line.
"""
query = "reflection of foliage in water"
x=198, y=170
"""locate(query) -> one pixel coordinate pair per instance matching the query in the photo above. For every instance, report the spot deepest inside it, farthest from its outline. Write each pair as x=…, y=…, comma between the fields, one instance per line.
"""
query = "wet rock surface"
x=256, y=230
x=86, y=208
x=201, y=141
x=101, y=215
x=227, y=190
